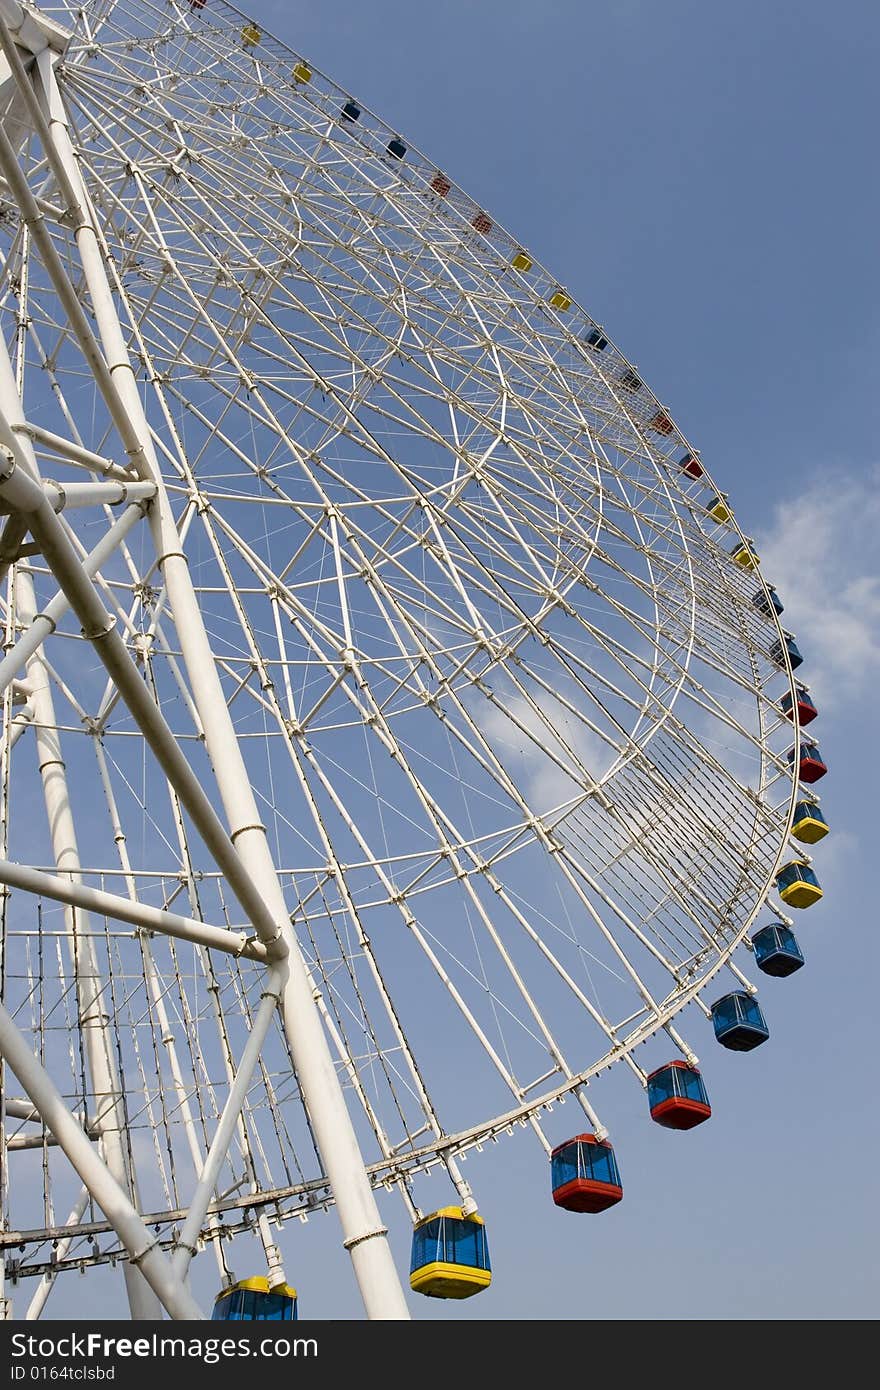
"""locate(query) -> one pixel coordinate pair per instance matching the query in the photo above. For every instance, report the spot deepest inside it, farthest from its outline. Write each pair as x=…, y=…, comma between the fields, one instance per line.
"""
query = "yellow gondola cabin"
x=251, y=1300
x=450, y=1255
x=809, y=824
x=798, y=885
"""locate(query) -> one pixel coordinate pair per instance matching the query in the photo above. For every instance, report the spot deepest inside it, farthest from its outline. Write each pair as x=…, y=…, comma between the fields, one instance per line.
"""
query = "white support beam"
x=142, y=915
x=22, y=493
x=31, y=30
x=74, y=453
x=144, y=1251
x=192, y=1226
x=63, y=496
x=44, y=623
x=44, y=1288
x=19, y=478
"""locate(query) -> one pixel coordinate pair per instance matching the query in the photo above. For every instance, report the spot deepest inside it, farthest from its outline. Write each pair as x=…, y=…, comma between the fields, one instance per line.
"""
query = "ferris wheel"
x=398, y=730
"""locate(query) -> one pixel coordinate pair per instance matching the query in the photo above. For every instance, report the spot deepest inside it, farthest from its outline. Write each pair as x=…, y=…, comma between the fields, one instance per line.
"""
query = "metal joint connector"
x=368, y=1235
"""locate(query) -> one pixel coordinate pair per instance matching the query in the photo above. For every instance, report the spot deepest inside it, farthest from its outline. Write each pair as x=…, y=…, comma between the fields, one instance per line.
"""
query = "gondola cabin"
x=801, y=706
x=797, y=884
x=251, y=1300
x=584, y=1174
x=718, y=509
x=738, y=1021
x=690, y=464
x=596, y=339
x=768, y=603
x=776, y=950
x=661, y=423
x=560, y=300
x=809, y=824
x=450, y=1255
x=810, y=764
x=677, y=1096
x=791, y=647
x=745, y=556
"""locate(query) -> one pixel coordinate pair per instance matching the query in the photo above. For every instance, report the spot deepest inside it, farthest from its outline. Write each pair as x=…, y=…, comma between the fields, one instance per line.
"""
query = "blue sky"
x=700, y=177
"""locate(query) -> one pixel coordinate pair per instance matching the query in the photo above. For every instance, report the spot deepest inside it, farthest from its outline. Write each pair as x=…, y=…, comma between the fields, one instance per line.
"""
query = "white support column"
x=155, y=985
x=90, y=988
x=364, y=1234
x=147, y=1259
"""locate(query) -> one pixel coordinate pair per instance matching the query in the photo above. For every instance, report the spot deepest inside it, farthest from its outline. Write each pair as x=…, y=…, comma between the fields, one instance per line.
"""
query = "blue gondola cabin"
x=584, y=1174
x=809, y=824
x=768, y=603
x=738, y=1021
x=251, y=1300
x=677, y=1096
x=810, y=764
x=776, y=950
x=802, y=706
x=794, y=657
x=450, y=1255
x=797, y=884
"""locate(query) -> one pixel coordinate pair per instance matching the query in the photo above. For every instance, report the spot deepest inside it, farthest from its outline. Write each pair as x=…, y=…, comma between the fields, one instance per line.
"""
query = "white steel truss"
x=380, y=674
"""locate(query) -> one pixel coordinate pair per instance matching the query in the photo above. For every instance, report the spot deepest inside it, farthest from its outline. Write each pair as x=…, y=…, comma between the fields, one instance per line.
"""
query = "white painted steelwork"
x=406, y=740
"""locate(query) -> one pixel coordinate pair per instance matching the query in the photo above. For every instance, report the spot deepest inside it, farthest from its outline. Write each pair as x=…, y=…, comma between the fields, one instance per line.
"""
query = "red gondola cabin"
x=584, y=1174
x=804, y=707
x=677, y=1096
x=810, y=766
x=690, y=464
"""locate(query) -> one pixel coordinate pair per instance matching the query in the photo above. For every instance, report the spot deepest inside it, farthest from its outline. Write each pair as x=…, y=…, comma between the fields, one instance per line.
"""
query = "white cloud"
x=548, y=786
x=820, y=553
